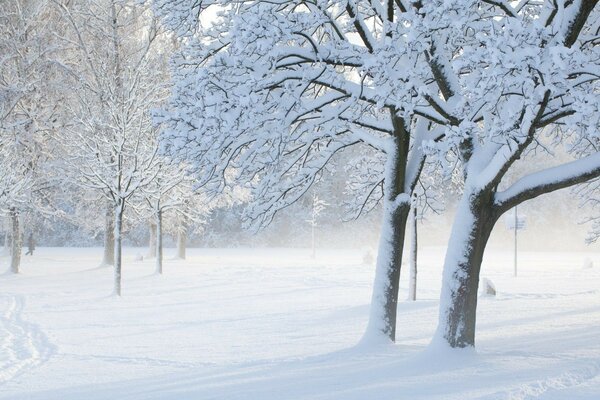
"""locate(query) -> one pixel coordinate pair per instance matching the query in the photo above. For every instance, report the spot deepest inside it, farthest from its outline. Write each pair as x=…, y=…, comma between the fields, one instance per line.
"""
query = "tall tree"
x=111, y=143
x=29, y=93
x=272, y=92
x=526, y=76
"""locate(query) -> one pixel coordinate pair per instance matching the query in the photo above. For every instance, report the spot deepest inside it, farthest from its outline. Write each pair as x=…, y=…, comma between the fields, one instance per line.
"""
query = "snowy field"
x=272, y=324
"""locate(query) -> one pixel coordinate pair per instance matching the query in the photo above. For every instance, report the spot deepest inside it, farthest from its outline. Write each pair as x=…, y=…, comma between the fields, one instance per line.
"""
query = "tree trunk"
x=7, y=237
x=159, y=242
x=17, y=242
x=181, y=243
x=384, y=302
x=412, y=288
x=473, y=224
x=118, y=246
x=109, y=237
x=152, y=241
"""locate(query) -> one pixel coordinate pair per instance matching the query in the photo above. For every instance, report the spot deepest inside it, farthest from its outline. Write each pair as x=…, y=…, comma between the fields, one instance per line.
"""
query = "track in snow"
x=22, y=344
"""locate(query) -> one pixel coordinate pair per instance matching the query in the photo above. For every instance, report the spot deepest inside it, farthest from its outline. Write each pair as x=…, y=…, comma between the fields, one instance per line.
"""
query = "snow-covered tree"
x=522, y=77
x=171, y=190
x=29, y=93
x=189, y=213
x=589, y=194
x=117, y=80
x=317, y=206
x=272, y=92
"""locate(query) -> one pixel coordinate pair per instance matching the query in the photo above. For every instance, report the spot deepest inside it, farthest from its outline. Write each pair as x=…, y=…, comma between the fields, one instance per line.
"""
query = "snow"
x=566, y=172
x=453, y=274
x=274, y=324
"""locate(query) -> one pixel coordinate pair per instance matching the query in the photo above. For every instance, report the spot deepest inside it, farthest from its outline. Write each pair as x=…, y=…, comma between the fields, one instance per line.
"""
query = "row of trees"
x=78, y=80
x=268, y=94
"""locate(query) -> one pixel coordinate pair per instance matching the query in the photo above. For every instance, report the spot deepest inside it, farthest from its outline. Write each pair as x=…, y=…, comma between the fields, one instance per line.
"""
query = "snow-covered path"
x=22, y=345
x=273, y=324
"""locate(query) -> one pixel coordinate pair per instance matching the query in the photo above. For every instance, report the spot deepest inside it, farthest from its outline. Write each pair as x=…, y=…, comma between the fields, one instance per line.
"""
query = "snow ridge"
x=562, y=383
x=23, y=345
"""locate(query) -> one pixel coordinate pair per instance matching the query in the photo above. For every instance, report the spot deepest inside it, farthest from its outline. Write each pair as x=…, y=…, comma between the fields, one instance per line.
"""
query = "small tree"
x=317, y=207
x=170, y=190
x=588, y=193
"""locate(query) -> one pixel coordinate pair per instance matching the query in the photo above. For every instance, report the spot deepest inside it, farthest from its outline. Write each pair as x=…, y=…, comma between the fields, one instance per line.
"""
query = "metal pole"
x=516, y=228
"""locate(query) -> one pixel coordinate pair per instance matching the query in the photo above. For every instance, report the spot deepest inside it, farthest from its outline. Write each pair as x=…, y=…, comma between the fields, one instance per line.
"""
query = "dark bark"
x=398, y=188
x=461, y=316
x=584, y=11
x=399, y=219
x=459, y=328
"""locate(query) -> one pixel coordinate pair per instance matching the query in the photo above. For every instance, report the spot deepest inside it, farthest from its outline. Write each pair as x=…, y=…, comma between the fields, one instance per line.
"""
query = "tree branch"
x=548, y=180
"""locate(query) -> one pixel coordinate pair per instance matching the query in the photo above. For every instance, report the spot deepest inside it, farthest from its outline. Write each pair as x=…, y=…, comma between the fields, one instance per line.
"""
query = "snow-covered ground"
x=272, y=324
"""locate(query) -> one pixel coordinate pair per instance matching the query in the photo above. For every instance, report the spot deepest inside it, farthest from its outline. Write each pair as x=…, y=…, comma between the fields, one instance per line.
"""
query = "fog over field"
x=299, y=199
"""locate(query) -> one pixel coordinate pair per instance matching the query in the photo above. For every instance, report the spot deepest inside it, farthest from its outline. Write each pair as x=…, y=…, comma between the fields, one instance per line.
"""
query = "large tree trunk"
x=152, y=241
x=181, y=243
x=473, y=224
x=384, y=302
x=159, y=242
x=17, y=241
x=412, y=285
x=118, y=246
x=109, y=237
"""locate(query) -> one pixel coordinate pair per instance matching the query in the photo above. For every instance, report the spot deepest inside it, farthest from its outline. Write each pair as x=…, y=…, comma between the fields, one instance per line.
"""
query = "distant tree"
x=170, y=191
x=116, y=82
x=317, y=207
x=589, y=195
x=29, y=93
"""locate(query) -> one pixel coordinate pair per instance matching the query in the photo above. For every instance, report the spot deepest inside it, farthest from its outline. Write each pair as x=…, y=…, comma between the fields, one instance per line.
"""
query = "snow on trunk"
x=384, y=301
x=17, y=242
x=109, y=237
x=159, y=242
x=118, y=247
x=473, y=223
